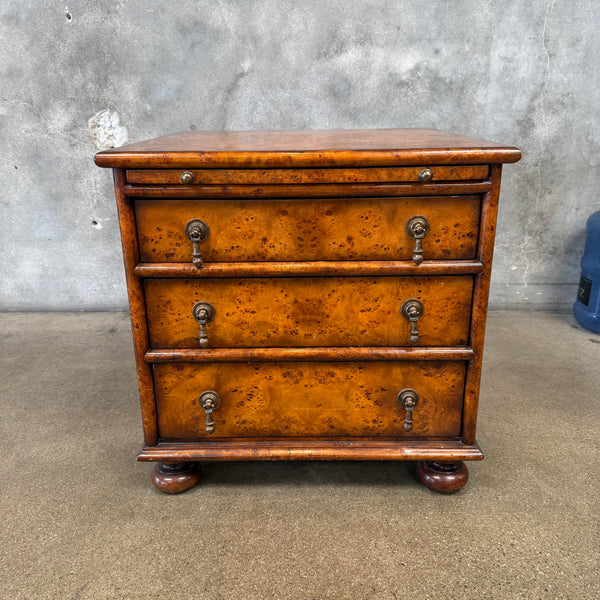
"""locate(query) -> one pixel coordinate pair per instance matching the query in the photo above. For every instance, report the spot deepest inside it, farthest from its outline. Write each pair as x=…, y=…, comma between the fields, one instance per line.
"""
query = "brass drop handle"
x=417, y=228
x=209, y=401
x=408, y=399
x=196, y=231
x=412, y=310
x=204, y=312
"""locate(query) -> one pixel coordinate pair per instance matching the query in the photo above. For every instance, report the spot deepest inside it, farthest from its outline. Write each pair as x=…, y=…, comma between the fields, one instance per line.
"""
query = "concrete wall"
x=521, y=72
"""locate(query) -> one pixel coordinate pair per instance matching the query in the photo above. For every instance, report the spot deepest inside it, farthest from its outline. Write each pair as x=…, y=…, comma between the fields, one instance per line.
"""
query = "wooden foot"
x=445, y=477
x=175, y=478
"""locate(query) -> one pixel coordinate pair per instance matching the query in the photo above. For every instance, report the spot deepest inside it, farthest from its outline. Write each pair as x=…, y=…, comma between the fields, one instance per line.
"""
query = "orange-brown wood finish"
x=268, y=176
x=312, y=230
x=320, y=311
x=307, y=264
x=137, y=309
x=308, y=269
x=308, y=190
x=312, y=149
x=489, y=211
x=309, y=399
x=274, y=448
x=412, y=353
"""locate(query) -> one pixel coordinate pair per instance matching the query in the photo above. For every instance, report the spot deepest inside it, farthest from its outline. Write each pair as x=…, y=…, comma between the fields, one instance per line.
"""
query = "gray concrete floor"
x=80, y=518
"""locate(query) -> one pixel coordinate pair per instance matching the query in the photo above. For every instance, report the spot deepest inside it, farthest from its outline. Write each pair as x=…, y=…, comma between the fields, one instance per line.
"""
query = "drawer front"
x=303, y=312
x=307, y=230
x=309, y=399
x=275, y=176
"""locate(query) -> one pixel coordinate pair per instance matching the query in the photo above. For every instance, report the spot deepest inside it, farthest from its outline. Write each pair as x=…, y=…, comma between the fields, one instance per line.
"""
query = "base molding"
x=303, y=449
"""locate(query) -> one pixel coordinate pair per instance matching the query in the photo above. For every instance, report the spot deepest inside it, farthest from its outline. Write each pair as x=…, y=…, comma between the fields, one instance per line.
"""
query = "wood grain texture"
x=308, y=269
x=489, y=212
x=137, y=307
x=268, y=176
x=175, y=478
x=313, y=449
x=307, y=265
x=320, y=311
x=326, y=148
x=307, y=190
x=309, y=399
x=308, y=354
x=443, y=477
x=312, y=230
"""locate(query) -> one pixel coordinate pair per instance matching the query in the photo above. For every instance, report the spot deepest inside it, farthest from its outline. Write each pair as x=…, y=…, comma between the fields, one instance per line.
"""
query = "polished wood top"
x=329, y=148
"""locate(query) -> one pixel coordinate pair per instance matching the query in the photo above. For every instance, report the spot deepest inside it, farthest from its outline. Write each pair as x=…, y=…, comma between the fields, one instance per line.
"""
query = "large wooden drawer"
x=308, y=229
x=309, y=311
x=309, y=399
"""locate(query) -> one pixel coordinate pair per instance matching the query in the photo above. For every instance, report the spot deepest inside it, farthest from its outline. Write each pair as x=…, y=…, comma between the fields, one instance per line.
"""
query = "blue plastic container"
x=587, y=305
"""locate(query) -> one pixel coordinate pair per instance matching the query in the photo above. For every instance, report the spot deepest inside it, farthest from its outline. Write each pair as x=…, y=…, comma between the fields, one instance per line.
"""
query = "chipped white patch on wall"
x=106, y=130
x=246, y=64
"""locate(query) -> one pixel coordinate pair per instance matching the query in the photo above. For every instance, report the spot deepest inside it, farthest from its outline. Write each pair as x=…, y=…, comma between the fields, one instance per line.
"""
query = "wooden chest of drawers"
x=308, y=295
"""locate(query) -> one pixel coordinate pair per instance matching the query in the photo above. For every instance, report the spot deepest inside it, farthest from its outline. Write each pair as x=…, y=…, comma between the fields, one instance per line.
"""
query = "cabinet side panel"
x=489, y=212
x=137, y=308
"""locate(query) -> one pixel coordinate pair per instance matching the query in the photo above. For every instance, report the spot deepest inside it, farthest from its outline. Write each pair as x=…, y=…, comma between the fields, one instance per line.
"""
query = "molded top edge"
x=326, y=148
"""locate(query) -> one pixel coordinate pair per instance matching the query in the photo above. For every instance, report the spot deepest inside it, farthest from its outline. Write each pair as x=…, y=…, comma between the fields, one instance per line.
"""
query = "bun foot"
x=444, y=477
x=175, y=478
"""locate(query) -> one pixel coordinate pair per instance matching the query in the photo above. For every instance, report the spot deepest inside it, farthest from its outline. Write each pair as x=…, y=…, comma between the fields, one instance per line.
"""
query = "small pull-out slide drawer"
x=423, y=174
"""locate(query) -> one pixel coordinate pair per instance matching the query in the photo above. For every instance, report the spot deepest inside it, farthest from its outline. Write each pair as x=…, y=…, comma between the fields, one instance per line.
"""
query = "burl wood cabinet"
x=308, y=295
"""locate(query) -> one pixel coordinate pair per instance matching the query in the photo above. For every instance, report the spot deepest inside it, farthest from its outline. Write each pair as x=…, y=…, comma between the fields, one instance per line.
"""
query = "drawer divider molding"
x=309, y=269
x=308, y=354
x=325, y=190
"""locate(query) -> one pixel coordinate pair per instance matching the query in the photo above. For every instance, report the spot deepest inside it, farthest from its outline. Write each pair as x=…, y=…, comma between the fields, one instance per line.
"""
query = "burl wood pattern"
x=305, y=230
x=268, y=176
x=319, y=311
x=307, y=264
x=322, y=148
x=309, y=399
